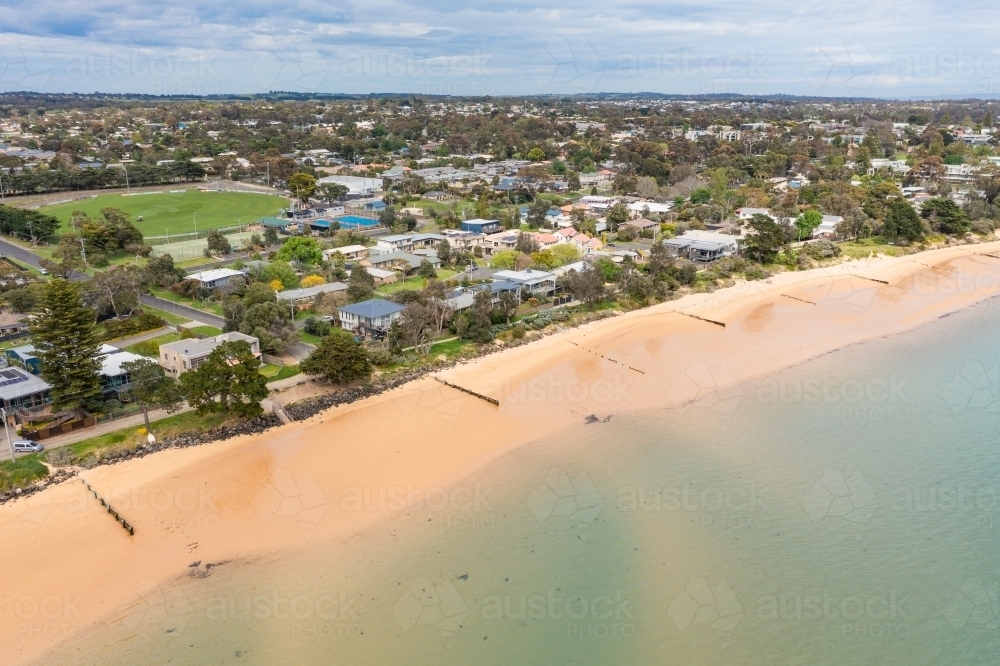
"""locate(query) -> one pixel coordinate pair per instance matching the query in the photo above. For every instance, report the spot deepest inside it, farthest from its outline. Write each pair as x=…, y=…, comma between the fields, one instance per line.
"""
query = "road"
x=300, y=350
x=183, y=311
x=18, y=253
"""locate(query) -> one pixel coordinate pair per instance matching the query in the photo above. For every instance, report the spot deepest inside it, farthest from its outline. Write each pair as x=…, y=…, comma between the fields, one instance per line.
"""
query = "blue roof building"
x=479, y=226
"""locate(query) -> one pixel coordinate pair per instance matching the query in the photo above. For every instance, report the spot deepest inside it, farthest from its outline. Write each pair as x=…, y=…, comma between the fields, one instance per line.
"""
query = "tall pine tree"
x=68, y=347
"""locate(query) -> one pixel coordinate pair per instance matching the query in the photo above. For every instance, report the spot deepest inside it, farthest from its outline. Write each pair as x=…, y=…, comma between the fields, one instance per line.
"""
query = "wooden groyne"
x=492, y=401
x=124, y=523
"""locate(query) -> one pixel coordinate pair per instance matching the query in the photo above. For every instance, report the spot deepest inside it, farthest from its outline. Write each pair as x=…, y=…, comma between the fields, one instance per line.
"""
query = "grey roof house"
x=371, y=317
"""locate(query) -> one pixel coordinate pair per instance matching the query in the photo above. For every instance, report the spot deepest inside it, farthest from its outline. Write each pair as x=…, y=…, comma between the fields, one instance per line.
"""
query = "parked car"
x=24, y=446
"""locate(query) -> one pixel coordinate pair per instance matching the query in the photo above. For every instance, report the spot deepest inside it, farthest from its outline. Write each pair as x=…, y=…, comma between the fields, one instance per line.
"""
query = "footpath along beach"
x=297, y=485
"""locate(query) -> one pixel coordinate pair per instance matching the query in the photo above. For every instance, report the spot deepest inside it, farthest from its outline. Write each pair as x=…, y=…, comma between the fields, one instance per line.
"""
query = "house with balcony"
x=369, y=318
x=176, y=358
x=533, y=282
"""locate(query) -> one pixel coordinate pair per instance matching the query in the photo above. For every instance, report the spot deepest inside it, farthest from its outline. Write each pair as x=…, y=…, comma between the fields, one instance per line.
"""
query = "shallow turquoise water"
x=845, y=511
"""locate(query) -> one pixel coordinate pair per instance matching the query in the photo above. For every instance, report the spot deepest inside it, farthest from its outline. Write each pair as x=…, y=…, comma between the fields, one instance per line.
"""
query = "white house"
x=351, y=252
x=216, y=277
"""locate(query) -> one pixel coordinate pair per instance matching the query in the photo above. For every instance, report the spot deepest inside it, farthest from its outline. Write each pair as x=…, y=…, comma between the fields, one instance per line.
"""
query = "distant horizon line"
x=289, y=95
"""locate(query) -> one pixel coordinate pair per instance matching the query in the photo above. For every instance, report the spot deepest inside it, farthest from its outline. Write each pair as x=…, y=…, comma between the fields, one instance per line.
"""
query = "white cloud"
x=673, y=47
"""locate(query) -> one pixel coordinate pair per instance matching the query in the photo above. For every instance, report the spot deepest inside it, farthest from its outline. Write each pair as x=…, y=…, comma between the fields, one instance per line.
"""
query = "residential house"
x=298, y=296
x=828, y=227
x=639, y=208
x=462, y=240
x=22, y=391
x=400, y=261
x=372, y=317
x=643, y=226
x=533, y=282
x=350, y=252
x=24, y=357
x=13, y=324
x=395, y=243
x=747, y=213
x=217, y=277
x=499, y=242
x=115, y=380
x=176, y=358
x=479, y=226
x=702, y=247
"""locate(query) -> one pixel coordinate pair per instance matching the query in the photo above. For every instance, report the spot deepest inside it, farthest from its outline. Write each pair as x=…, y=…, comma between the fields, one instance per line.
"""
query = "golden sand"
x=71, y=566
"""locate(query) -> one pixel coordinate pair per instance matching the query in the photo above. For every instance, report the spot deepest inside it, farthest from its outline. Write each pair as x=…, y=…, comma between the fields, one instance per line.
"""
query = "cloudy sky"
x=912, y=48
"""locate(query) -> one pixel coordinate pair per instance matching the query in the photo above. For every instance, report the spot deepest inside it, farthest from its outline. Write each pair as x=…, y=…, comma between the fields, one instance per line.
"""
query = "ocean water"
x=844, y=511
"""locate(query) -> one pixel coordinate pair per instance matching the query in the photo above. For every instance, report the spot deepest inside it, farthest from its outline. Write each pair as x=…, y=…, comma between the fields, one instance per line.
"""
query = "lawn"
x=177, y=212
x=21, y=472
x=140, y=347
x=129, y=437
x=864, y=248
x=168, y=317
x=168, y=295
x=276, y=372
x=413, y=283
x=207, y=331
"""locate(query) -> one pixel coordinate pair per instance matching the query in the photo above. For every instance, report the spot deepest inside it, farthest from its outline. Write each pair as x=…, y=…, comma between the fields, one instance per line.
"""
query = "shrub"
x=380, y=357
x=149, y=348
x=312, y=281
x=317, y=327
x=137, y=323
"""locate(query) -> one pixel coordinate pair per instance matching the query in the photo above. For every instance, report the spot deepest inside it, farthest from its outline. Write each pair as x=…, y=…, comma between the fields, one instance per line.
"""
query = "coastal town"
x=425, y=333
x=384, y=235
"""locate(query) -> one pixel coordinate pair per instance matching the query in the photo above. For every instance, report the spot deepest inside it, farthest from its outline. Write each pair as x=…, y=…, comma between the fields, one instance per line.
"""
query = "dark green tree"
x=228, y=380
x=444, y=252
x=902, y=222
x=765, y=240
x=270, y=323
x=476, y=322
x=68, y=346
x=426, y=269
x=361, y=285
x=161, y=271
x=536, y=212
x=945, y=216
x=270, y=236
x=152, y=388
x=339, y=358
x=617, y=215
x=217, y=243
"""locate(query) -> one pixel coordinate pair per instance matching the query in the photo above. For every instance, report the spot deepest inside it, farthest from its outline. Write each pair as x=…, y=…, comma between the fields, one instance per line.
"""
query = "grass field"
x=175, y=212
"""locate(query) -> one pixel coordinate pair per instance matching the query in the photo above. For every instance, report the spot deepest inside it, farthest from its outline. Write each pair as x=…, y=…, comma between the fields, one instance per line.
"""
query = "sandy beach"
x=73, y=567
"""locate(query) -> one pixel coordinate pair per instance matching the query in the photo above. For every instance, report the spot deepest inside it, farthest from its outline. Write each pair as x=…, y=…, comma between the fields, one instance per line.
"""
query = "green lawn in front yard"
x=139, y=347
x=415, y=283
x=275, y=372
x=167, y=295
x=21, y=472
x=129, y=437
x=207, y=331
x=865, y=247
x=168, y=317
x=309, y=338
